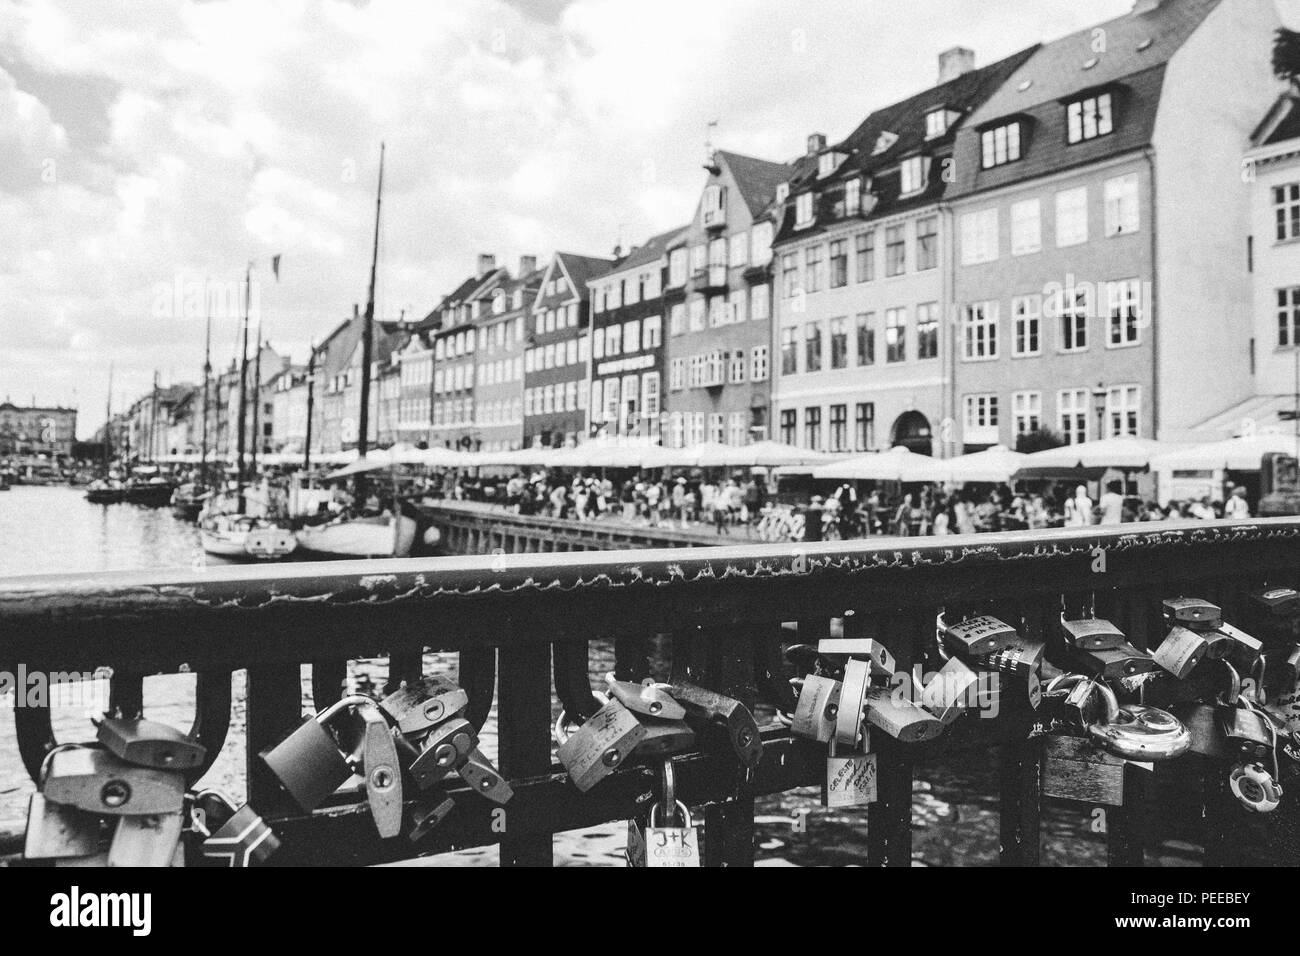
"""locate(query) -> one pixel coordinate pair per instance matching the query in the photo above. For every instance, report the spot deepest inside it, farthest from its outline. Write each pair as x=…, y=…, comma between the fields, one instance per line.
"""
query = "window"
x=738, y=250
x=981, y=419
x=1026, y=317
x=788, y=426
x=736, y=431
x=1123, y=406
x=927, y=330
x=699, y=257
x=927, y=243
x=632, y=335
x=760, y=243
x=812, y=427
x=631, y=290
x=677, y=319
x=812, y=337
x=759, y=303
x=979, y=237
x=896, y=335
x=1026, y=227
x=758, y=364
x=736, y=367
x=865, y=249
x=840, y=343
x=826, y=163
x=697, y=306
x=1000, y=145
x=789, y=275
x=677, y=267
x=914, y=174
x=866, y=336
x=803, y=210
x=611, y=400
x=814, y=258
x=839, y=435
x=936, y=123
x=1122, y=205
x=677, y=375
x=713, y=206
x=717, y=311
x=852, y=197
x=1073, y=415
x=676, y=430
x=1288, y=316
x=789, y=351
x=652, y=332
x=1124, y=304
x=1072, y=217
x=736, y=306
x=697, y=428
x=571, y=396
x=716, y=426
x=1286, y=205
x=895, y=251
x=1026, y=412
x=865, y=426
x=980, y=331
x=839, y=264
x=613, y=340
x=650, y=395
x=584, y=348
x=1089, y=118
x=1076, y=304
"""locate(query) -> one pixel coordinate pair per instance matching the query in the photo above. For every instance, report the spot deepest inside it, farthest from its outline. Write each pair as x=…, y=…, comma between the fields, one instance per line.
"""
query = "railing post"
x=273, y=707
x=524, y=735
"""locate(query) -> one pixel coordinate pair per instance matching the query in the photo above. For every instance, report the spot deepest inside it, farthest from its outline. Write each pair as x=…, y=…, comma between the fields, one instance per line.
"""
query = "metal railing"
x=724, y=612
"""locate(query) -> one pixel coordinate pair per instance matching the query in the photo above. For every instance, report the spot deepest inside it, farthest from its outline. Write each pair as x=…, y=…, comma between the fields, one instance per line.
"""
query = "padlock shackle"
x=1067, y=682
x=564, y=727
x=679, y=807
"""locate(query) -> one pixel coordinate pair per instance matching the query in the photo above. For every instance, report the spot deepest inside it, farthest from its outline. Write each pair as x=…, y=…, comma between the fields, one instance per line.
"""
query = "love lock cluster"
x=132, y=781
x=414, y=738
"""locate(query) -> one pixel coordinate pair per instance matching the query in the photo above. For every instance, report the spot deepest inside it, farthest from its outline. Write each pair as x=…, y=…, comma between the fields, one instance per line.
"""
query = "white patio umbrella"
x=992, y=465
x=898, y=464
x=1243, y=453
x=1125, y=454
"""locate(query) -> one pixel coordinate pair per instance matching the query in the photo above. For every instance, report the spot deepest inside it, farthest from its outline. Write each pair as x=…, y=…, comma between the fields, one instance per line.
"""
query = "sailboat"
x=189, y=498
x=390, y=535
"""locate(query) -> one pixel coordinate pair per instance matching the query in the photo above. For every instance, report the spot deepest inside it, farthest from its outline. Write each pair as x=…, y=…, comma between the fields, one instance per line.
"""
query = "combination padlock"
x=1181, y=650
x=865, y=649
x=951, y=692
x=147, y=743
x=92, y=779
x=719, y=710
x=1092, y=634
x=978, y=637
x=1255, y=788
x=146, y=841
x=648, y=700
x=899, y=717
x=55, y=831
x=593, y=751
x=422, y=704
x=816, y=710
x=232, y=836
x=1020, y=665
x=308, y=761
x=447, y=747
x=1192, y=613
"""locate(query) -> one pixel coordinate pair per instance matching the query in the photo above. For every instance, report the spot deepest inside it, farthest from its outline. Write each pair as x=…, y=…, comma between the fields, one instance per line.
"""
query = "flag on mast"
x=275, y=267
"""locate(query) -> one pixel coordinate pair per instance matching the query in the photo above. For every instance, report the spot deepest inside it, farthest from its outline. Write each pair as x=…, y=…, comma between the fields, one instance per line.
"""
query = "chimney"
x=816, y=143
x=356, y=311
x=486, y=263
x=527, y=265
x=955, y=62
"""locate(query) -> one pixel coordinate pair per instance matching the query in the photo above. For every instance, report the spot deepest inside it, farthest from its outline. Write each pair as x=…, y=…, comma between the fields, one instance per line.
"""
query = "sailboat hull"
x=359, y=538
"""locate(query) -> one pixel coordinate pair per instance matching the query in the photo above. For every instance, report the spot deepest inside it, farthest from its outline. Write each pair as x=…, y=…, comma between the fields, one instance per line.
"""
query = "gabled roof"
x=1282, y=122
x=756, y=179
x=582, y=269
x=651, y=251
x=433, y=320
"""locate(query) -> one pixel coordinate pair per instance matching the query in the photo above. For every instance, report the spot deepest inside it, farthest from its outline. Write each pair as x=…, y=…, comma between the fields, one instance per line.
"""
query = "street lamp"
x=1099, y=403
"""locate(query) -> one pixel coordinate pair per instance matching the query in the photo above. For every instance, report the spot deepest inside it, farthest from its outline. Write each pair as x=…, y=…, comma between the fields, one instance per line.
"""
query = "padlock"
x=148, y=841
x=814, y=714
x=978, y=637
x=596, y=749
x=951, y=692
x=427, y=819
x=648, y=700
x=657, y=846
x=1205, y=729
x=484, y=778
x=1256, y=789
x=1092, y=633
x=55, y=831
x=147, y=743
x=664, y=738
x=1181, y=650
x=1193, y=613
x=422, y=704
x=850, y=712
x=308, y=761
x=899, y=717
x=1280, y=602
x=1020, y=665
x=232, y=837
x=446, y=748
x=1108, y=664
x=727, y=712
x=1242, y=650
x=372, y=750
x=92, y=779
x=1282, y=678
x=850, y=779
x=1134, y=731
x=872, y=651
x=1247, y=731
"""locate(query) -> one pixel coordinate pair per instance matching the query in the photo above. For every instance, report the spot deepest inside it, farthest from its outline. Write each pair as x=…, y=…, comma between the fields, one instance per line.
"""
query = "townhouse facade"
x=862, y=270
x=454, y=338
x=627, y=344
x=415, y=402
x=556, y=387
x=1100, y=222
x=499, y=360
x=719, y=301
x=37, y=430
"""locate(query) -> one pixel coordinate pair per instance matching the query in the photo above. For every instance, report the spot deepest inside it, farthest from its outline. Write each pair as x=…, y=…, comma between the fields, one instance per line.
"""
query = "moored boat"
x=187, y=501
x=102, y=492
x=245, y=538
x=153, y=493
x=371, y=537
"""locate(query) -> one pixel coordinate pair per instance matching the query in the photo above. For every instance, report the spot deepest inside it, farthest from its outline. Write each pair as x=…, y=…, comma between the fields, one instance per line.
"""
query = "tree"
x=1286, y=55
x=1040, y=439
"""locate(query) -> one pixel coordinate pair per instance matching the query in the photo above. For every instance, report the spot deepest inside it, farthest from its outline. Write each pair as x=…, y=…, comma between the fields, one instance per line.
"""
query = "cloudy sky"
x=150, y=145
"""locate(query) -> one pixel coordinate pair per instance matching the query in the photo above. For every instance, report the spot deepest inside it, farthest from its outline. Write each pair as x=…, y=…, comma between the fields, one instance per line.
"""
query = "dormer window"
x=853, y=197
x=883, y=142
x=828, y=162
x=915, y=175
x=803, y=210
x=936, y=123
x=1000, y=145
x=714, y=213
x=1089, y=118
x=782, y=192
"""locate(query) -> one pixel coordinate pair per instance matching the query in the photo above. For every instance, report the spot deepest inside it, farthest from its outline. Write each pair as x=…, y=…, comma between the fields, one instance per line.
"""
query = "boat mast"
x=311, y=403
x=153, y=419
x=108, y=423
x=367, y=334
x=243, y=395
x=257, y=405
x=207, y=374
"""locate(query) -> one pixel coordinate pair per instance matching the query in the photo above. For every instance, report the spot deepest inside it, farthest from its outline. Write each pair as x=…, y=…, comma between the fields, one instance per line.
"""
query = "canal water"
x=54, y=529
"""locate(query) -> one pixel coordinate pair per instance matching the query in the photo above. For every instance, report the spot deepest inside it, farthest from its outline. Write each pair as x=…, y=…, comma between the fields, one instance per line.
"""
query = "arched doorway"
x=912, y=431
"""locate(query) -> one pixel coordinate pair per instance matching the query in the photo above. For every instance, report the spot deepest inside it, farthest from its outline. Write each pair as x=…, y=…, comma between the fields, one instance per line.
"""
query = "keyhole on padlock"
x=487, y=783
x=433, y=710
x=745, y=737
x=381, y=778
x=654, y=707
x=611, y=758
x=115, y=793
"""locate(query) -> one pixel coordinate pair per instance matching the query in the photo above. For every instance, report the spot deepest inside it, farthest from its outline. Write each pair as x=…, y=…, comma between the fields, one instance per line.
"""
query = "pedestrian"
x=1237, y=506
